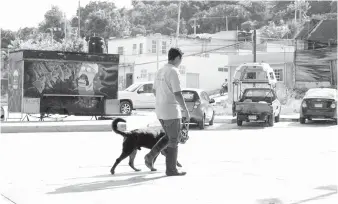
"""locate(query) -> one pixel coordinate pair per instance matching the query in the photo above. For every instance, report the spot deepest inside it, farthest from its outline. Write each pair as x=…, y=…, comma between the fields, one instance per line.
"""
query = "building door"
x=129, y=79
x=192, y=80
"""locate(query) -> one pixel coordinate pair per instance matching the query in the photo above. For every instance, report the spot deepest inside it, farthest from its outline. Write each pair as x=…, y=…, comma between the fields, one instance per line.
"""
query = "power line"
x=208, y=51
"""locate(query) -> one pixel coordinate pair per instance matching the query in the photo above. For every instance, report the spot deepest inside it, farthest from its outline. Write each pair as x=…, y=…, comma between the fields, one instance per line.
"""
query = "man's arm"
x=180, y=100
x=176, y=87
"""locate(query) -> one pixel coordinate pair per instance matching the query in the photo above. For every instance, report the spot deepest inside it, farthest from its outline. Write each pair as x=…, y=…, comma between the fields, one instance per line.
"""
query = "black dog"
x=133, y=141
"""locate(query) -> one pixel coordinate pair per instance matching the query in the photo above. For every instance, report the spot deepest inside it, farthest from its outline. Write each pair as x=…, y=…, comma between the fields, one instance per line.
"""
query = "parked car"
x=319, y=103
x=258, y=105
x=244, y=36
x=137, y=96
x=200, y=106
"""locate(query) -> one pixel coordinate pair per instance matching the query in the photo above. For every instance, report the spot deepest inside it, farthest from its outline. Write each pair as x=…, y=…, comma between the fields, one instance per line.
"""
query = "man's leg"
x=158, y=147
x=173, y=131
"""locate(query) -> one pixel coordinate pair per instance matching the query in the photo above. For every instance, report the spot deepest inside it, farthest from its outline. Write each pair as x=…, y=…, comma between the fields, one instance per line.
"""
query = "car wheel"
x=302, y=120
x=211, y=122
x=125, y=107
x=239, y=122
x=271, y=121
x=201, y=124
x=277, y=118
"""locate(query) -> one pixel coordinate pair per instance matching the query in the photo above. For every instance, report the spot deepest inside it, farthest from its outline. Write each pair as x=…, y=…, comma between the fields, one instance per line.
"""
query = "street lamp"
x=53, y=29
x=158, y=37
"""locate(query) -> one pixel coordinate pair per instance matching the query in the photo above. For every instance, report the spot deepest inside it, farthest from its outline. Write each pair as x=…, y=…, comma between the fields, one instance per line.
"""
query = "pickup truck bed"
x=253, y=108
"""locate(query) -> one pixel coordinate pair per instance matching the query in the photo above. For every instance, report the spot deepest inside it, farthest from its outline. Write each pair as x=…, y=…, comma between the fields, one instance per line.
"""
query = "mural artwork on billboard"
x=15, y=88
x=77, y=80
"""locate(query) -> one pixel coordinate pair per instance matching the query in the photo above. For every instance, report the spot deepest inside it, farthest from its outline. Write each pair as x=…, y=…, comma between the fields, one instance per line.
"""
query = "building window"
x=134, y=49
x=151, y=76
x=153, y=46
x=143, y=73
x=141, y=48
x=221, y=69
x=279, y=74
x=164, y=47
x=120, y=50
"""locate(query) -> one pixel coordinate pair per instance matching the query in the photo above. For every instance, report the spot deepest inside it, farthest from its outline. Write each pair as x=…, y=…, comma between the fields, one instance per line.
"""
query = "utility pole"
x=194, y=26
x=295, y=11
x=226, y=23
x=300, y=12
x=158, y=37
x=178, y=22
x=254, y=46
x=65, y=25
x=79, y=20
x=51, y=30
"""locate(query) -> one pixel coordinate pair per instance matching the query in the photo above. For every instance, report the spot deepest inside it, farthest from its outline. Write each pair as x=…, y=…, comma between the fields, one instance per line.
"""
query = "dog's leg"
x=131, y=160
x=164, y=153
x=118, y=160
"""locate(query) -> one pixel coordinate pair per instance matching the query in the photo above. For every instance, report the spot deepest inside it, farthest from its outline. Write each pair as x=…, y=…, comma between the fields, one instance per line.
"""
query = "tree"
x=26, y=33
x=274, y=31
x=42, y=42
x=319, y=7
x=54, y=18
x=92, y=12
x=214, y=19
x=6, y=37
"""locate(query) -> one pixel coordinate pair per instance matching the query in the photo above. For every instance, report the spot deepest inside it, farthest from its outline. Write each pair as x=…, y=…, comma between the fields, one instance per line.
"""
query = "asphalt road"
x=287, y=163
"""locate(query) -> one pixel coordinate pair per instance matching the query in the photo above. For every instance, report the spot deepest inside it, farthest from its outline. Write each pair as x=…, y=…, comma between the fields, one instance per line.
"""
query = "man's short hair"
x=174, y=52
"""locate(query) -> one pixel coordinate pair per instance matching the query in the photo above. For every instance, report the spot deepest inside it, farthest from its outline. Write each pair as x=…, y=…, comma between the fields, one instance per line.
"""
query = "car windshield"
x=258, y=93
x=322, y=93
x=132, y=87
x=190, y=96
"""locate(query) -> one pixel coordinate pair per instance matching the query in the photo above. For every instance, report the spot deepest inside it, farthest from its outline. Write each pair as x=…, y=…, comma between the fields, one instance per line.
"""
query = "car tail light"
x=304, y=104
x=333, y=105
x=197, y=103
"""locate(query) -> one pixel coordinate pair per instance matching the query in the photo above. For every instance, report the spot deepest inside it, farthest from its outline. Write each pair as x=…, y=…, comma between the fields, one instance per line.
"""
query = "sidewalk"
x=84, y=124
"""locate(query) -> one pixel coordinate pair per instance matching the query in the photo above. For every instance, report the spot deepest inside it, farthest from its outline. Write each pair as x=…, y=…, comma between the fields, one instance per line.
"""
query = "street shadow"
x=269, y=201
x=331, y=188
x=313, y=123
x=105, y=185
x=138, y=173
x=328, y=188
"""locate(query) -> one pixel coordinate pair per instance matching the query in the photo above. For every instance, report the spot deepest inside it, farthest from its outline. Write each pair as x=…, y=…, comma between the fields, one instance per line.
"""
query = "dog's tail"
x=115, y=129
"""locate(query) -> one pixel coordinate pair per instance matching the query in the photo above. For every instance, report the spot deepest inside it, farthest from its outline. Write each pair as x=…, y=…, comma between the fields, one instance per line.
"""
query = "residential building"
x=139, y=60
x=206, y=62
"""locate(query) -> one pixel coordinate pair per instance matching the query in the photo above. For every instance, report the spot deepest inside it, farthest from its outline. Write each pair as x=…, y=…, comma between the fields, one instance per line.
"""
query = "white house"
x=141, y=56
x=206, y=62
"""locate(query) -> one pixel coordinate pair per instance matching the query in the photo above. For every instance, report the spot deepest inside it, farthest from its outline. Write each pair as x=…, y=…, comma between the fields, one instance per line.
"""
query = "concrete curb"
x=92, y=126
x=233, y=120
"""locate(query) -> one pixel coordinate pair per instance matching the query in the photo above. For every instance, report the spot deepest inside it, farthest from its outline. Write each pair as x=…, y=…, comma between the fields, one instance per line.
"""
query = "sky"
x=29, y=13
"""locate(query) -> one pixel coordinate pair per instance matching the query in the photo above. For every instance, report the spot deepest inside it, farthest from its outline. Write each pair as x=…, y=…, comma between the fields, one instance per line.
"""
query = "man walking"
x=169, y=102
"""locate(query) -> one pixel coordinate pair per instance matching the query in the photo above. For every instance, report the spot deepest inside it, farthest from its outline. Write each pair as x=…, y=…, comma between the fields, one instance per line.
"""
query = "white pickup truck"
x=137, y=96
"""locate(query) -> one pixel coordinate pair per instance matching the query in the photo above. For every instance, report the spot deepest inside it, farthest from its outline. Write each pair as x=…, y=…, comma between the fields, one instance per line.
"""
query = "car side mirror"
x=212, y=100
x=140, y=91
